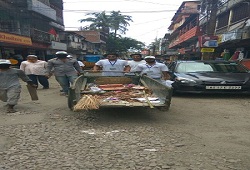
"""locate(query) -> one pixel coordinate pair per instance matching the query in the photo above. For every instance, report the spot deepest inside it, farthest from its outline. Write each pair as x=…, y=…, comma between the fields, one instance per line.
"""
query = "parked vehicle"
x=90, y=60
x=209, y=77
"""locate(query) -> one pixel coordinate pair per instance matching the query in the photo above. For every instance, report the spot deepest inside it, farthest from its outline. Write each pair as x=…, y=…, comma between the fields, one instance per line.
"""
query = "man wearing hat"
x=10, y=87
x=137, y=59
x=153, y=69
x=65, y=69
x=112, y=66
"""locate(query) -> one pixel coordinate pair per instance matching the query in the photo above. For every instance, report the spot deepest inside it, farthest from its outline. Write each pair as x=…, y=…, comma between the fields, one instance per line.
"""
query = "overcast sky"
x=151, y=17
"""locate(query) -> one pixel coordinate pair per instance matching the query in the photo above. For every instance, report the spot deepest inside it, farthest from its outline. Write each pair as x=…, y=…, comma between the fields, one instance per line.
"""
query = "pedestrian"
x=36, y=70
x=153, y=69
x=79, y=62
x=10, y=87
x=65, y=70
x=112, y=66
x=137, y=59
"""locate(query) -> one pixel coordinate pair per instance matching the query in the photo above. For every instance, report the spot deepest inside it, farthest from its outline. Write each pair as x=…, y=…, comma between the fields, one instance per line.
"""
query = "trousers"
x=65, y=82
x=39, y=78
x=10, y=95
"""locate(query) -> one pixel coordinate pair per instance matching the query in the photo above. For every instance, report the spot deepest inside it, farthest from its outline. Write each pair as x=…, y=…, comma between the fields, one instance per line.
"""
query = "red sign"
x=208, y=41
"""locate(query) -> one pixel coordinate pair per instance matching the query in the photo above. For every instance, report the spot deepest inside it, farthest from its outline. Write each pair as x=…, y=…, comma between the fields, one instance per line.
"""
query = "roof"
x=90, y=35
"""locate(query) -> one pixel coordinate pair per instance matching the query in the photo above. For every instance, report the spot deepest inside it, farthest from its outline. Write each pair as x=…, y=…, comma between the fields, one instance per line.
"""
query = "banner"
x=208, y=41
x=16, y=39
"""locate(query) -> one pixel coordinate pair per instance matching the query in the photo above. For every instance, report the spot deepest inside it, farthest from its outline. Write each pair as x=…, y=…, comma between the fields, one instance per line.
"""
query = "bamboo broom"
x=147, y=100
x=87, y=102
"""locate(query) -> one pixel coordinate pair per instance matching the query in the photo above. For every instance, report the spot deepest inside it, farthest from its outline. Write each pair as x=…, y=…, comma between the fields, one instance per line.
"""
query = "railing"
x=195, y=31
x=37, y=35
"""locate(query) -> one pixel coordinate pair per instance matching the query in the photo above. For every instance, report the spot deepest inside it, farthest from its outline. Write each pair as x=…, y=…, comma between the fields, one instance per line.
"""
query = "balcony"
x=187, y=36
x=40, y=36
x=229, y=5
x=41, y=8
x=74, y=45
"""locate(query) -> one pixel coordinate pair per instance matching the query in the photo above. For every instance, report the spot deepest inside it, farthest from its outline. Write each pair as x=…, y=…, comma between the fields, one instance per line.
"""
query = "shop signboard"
x=207, y=50
x=15, y=39
x=232, y=35
x=208, y=41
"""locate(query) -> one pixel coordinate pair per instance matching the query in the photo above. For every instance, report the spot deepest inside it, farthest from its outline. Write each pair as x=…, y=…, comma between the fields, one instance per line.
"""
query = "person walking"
x=112, y=66
x=10, y=87
x=153, y=69
x=65, y=69
x=79, y=62
x=137, y=59
x=35, y=69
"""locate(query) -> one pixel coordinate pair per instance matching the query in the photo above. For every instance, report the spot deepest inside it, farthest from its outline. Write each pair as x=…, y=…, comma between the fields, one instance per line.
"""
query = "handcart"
x=121, y=91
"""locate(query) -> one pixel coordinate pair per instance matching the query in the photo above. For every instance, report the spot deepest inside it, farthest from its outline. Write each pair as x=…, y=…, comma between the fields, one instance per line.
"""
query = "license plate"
x=223, y=87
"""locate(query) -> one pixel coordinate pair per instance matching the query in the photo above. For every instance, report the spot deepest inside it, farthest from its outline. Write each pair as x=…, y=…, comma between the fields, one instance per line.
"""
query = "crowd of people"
x=66, y=69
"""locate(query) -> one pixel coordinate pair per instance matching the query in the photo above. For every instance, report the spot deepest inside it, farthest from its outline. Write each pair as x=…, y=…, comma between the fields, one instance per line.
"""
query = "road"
x=199, y=132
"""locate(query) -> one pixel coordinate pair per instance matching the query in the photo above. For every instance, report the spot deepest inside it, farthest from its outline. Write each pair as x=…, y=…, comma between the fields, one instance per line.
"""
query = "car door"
x=171, y=68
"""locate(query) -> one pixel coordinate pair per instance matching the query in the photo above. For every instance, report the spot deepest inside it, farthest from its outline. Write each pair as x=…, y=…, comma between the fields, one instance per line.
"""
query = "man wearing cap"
x=79, y=62
x=153, y=69
x=112, y=66
x=35, y=69
x=137, y=59
x=10, y=87
x=65, y=69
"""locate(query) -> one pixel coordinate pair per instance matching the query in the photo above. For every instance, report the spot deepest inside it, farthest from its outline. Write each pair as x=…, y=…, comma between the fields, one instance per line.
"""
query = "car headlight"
x=184, y=80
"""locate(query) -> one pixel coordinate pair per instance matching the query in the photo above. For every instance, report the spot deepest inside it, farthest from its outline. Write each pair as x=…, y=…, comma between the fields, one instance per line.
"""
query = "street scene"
x=198, y=132
x=124, y=85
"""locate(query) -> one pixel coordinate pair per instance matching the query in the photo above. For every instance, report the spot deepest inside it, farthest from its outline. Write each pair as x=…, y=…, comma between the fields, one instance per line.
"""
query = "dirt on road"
x=205, y=132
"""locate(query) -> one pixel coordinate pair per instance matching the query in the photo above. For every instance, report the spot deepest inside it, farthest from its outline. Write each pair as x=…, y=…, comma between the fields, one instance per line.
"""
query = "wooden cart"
x=162, y=92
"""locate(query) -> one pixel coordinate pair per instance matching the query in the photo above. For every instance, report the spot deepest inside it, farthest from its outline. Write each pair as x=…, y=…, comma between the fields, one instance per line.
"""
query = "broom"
x=87, y=102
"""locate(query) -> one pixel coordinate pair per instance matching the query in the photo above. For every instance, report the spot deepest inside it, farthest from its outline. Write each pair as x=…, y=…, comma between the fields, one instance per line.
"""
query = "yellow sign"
x=220, y=39
x=16, y=39
x=207, y=50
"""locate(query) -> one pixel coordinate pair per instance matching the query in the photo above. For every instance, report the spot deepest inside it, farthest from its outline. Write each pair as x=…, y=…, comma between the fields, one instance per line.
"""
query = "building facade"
x=185, y=30
x=233, y=27
x=98, y=38
x=30, y=27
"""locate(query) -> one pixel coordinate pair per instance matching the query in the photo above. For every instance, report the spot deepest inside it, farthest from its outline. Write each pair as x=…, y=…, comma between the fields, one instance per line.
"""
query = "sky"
x=151, y=18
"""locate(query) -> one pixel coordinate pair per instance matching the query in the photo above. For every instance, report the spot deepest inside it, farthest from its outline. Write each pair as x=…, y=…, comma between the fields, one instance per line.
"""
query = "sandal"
x=9, y=110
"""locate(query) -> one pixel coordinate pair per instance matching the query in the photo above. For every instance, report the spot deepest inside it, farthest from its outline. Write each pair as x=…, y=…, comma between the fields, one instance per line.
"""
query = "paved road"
x=197, y=133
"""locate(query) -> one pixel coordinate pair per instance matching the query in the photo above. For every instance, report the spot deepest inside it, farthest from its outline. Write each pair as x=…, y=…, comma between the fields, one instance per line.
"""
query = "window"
x=240, y=12
x=223, y=20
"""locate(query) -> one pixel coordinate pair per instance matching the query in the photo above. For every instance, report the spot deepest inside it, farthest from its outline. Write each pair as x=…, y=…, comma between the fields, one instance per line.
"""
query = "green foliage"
x=122, y=44
x=114, y=21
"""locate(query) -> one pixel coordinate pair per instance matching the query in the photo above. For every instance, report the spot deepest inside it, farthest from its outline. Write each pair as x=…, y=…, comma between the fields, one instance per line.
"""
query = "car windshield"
x=209, y=67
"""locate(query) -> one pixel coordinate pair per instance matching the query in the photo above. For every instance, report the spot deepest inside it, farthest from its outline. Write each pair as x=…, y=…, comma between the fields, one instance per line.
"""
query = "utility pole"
x=211, y=13
x=213, y=5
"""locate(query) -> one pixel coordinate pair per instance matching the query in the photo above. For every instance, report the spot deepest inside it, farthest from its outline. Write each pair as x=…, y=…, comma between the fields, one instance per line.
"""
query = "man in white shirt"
x=81, y=64
x=112, y=66
x=137, y=59
x=153, y=69
x=36, y=70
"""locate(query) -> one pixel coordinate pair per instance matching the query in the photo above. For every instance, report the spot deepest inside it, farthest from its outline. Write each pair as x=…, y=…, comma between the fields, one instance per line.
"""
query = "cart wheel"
x=71, y=101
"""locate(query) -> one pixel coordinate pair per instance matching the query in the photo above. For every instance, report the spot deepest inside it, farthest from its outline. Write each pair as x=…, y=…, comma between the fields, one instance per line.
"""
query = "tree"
x=114, y=21
x=99, y=21
x=155, y=46
x=122, y=44
x=119, y=22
